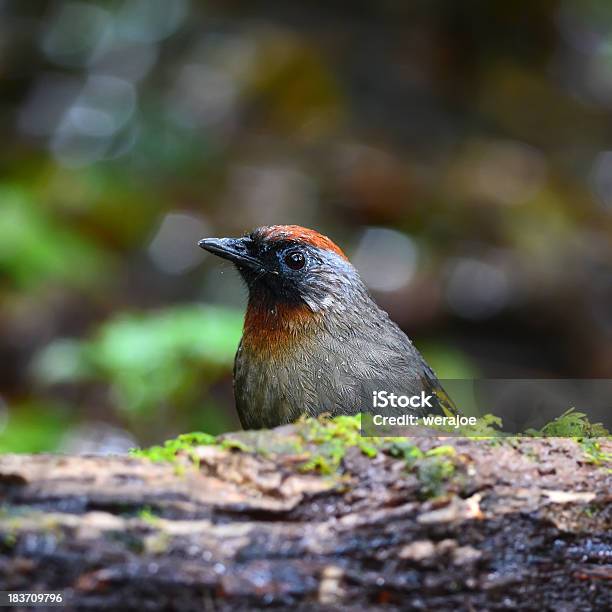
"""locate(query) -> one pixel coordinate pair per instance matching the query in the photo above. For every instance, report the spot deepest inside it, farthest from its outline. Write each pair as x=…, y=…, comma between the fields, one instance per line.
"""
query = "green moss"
x=488, y=425
x=433, y=473
x=434, y=468
x=331, y=438
x=171, y=449
x=406, y=450
x=147, y=515
x=595, y=454
x=439, y=451
x=570, y=424
x=591, y=511
x=321, y=445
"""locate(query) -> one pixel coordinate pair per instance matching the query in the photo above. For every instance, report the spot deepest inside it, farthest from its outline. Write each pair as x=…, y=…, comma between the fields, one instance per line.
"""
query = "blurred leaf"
x=148, y=341
x=34, y=248
x=166, y=357
x=33, y=429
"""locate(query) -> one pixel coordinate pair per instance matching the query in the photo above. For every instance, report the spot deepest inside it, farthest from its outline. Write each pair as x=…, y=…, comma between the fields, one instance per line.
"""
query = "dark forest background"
x=459, y=152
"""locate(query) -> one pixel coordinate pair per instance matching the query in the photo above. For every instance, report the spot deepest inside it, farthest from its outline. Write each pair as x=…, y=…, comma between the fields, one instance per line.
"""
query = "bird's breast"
x=272, y=331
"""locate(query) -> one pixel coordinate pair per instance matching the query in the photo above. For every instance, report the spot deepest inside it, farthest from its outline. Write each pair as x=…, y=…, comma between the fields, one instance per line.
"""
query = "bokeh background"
x=459, y=152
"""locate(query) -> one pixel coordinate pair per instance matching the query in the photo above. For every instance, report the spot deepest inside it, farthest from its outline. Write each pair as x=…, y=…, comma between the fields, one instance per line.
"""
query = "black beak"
x=234, y=249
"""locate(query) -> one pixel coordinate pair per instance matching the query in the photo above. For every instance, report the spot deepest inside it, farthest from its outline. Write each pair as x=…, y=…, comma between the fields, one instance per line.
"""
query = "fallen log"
x=291, y=519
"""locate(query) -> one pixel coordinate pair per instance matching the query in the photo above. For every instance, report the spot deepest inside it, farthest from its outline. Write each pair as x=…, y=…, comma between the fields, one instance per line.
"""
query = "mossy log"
x=259, y=520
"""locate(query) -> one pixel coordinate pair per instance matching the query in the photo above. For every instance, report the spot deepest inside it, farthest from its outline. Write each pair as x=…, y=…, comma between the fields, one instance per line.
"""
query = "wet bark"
x=517, y=526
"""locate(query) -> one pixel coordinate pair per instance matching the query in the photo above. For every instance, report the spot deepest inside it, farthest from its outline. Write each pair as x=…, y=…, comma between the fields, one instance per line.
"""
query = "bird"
x=313, y=337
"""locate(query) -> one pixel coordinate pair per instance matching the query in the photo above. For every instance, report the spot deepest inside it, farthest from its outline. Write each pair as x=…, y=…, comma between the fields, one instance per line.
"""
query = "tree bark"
x=522, y=525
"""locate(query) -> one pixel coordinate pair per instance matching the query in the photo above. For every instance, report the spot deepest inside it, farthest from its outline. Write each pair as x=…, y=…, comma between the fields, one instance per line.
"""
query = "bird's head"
x=289, y=265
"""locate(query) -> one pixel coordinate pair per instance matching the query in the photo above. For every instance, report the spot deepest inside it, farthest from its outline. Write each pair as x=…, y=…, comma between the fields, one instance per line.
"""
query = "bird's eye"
x=295, y=260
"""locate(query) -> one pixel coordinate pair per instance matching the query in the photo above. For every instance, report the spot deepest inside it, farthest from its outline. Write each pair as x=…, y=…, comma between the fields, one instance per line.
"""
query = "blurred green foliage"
x=35, y=428
x=148, y=360
x=36, y=249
